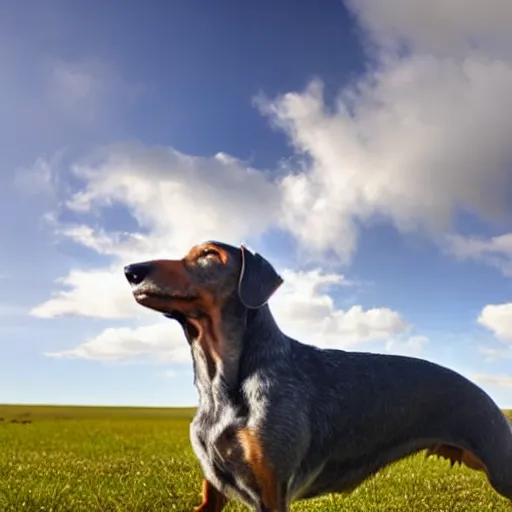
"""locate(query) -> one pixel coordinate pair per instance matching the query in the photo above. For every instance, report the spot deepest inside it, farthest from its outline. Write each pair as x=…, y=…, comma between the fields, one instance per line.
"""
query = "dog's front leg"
x=280, y=507
x=213, y=500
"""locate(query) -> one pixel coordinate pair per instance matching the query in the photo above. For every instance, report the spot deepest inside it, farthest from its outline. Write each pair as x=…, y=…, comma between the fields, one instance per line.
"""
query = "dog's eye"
x=209, y=252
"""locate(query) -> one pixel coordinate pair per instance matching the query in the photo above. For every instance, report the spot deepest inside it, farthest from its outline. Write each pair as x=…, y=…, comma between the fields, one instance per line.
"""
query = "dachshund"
x=279, y=420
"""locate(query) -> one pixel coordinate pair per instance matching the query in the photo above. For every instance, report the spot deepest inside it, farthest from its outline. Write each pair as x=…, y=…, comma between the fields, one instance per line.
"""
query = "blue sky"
x=362, y=147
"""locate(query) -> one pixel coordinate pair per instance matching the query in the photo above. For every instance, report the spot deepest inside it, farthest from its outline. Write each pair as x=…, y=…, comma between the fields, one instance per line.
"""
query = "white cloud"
x=504, y=381
x=124, y=245
x=302, y=308
x=305, y=310
x=498, y=319
x=179, y=199
x=438, y=26
x=161, y=342
x=416, y=142
x=495, y=251
x=99, y=293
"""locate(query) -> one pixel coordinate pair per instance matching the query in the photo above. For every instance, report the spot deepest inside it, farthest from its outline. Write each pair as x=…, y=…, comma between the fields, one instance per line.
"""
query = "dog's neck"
x=243, y=339
x=263, y=340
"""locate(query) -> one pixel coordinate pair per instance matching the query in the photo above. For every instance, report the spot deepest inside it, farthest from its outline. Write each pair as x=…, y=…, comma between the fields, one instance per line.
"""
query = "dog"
x=279, y=420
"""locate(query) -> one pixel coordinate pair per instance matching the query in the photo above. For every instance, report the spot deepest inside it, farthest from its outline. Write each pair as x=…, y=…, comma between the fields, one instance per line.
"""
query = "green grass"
x=139, y=459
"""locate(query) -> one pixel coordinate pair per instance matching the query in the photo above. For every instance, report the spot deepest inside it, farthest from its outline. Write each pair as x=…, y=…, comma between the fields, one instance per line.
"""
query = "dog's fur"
x=279, y=420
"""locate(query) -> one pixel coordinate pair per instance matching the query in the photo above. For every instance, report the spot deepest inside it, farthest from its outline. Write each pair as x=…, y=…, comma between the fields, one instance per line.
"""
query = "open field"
x=85, y=459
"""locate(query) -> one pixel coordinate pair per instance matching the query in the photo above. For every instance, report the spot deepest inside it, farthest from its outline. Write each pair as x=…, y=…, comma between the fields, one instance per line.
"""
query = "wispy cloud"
x=41, y=178
x=493, y=354
x=88, y=91
x=504, y=381
x=494, y=251
x=407, y=346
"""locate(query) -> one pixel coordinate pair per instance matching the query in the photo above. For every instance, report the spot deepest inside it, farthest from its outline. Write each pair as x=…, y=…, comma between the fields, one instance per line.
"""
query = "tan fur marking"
x=213, y=500
x=223, y=255
x=208, y=343
x=455, y=454
x=262, y=471
x=209, y=327
x=196, y=251
x=216, y=335
x=211, y=339
x=473, y=462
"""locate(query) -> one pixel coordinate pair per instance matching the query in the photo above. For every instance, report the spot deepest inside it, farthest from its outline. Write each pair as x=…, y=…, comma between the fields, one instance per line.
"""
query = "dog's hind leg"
x=486, y=445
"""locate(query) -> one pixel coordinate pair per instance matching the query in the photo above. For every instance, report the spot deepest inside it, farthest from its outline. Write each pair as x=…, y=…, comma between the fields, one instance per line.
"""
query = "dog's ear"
x=258, y=280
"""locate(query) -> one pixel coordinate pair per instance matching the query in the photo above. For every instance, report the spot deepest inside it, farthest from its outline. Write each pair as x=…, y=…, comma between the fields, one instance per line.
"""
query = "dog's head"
x=203, y=281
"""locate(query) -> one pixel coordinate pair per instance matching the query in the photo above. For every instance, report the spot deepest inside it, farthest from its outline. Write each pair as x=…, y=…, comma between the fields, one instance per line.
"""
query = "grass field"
x=137, y=459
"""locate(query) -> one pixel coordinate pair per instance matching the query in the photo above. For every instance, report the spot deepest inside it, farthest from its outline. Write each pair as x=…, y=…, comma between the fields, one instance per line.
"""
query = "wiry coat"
x=279, y=420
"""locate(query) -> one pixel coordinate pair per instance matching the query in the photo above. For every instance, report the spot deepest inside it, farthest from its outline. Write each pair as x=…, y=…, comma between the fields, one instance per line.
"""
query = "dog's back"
x=352, y=413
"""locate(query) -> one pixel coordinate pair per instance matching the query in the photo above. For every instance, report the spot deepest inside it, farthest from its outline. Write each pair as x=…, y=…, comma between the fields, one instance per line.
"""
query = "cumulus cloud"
x=177, y=198
x=305, y=310
x=98, y=293
x=161, y=342
x=498, y=319
x=417, y=142
x=302, y=307
x=494, y=251
x=441, y=27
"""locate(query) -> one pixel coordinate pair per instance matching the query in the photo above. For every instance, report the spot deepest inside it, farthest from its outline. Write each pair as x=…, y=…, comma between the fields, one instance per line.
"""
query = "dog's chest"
x=213, y=437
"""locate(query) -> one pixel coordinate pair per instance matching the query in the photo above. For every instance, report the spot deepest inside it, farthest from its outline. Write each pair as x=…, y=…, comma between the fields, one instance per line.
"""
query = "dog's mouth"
x=145, y=295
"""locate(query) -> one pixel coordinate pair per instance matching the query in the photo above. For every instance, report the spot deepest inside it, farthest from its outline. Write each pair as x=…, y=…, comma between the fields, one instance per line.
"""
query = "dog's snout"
x=137, y=272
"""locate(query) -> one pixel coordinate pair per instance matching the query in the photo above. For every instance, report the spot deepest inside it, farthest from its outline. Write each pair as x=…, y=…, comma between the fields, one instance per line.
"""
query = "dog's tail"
x=498, y=460
x=503, y=477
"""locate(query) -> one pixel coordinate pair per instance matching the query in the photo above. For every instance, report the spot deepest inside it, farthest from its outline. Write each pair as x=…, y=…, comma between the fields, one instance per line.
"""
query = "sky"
x=362, y=147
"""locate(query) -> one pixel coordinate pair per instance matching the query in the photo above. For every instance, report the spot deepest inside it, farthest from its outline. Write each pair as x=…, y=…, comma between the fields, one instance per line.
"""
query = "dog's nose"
x=137, y=272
